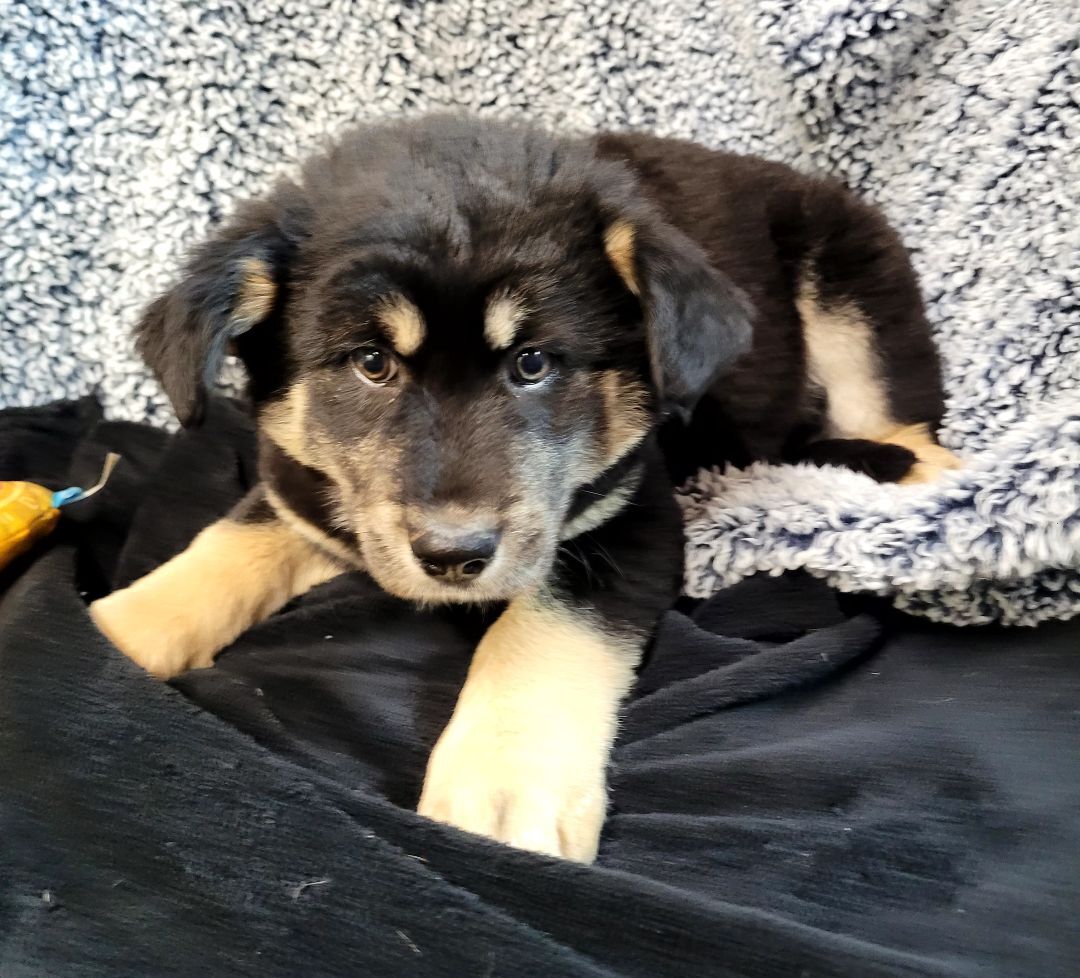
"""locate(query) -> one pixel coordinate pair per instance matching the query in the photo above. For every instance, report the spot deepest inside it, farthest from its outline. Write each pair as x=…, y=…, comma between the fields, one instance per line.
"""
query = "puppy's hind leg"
x=868, y=348
x=235, y=573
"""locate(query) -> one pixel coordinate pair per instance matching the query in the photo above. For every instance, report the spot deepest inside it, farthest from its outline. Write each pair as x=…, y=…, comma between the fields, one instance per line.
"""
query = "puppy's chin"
x=396, y=571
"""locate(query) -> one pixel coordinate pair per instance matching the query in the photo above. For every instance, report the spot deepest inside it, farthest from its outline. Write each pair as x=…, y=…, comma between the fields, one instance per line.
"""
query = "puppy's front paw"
x=532, y=789
x=143, y=629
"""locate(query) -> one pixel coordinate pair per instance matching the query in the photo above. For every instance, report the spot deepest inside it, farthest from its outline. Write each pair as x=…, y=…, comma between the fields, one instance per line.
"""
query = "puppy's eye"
x=374, y=365
x=530, y=366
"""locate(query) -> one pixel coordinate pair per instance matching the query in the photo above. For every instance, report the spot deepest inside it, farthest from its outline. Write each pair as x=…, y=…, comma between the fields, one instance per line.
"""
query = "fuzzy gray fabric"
x=129, y=128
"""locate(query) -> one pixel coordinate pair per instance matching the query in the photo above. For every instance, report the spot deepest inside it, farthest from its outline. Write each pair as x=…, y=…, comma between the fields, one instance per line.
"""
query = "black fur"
x=882, y=462
x=309, y=492
x=447, y=212
x=700, y=324
x=761, y=223
x=630, y=569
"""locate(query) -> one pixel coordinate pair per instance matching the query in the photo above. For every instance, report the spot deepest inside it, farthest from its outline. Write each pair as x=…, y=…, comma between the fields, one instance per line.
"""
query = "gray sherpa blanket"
x=128, y=128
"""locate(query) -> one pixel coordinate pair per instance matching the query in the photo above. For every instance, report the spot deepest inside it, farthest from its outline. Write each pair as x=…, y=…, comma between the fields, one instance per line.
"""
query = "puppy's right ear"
x=230, y=285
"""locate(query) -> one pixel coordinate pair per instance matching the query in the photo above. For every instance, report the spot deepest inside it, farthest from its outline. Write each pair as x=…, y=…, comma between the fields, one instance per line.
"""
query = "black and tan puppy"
x=475, y=353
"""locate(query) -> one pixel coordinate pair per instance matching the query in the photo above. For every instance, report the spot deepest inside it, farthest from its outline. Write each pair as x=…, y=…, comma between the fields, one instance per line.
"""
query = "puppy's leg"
x=234, y=574
x=882, y=462
x=848, y=363
x=932, y=459
x=524, y=757
x=868, y=345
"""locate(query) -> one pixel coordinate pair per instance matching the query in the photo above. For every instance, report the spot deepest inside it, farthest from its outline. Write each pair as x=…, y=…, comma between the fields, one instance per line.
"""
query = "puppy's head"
x=461, y=325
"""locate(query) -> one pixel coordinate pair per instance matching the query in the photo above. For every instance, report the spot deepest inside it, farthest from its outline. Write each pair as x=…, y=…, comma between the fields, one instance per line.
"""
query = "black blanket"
x=804, y=784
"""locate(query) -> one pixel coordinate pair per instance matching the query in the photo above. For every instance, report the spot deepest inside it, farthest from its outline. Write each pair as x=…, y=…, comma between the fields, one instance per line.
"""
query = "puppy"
x=477, y=356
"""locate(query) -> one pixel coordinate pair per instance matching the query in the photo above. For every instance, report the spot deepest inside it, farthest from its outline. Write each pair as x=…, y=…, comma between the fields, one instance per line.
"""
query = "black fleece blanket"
x=803, y=785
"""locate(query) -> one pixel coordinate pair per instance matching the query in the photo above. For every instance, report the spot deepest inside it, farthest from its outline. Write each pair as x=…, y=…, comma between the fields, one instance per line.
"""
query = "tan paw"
x=149, y=632
x=933, y=459
x=532, y=790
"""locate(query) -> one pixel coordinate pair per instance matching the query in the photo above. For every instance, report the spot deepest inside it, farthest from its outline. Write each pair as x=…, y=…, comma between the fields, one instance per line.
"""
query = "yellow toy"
x=29, y=512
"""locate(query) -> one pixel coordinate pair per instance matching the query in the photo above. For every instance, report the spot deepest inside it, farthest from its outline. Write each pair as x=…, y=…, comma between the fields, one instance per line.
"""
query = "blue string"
x=64, y=496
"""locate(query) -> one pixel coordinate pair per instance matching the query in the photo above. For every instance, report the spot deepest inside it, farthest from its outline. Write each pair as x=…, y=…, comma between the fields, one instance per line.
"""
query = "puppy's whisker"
x=590, y=574
x=610, y=560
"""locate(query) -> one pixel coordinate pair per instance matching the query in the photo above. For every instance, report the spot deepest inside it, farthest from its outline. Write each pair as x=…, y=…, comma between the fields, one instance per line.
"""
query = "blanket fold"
x=805, y=783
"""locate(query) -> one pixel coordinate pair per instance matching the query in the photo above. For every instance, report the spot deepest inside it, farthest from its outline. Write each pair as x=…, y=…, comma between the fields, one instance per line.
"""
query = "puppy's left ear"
x=698, y=322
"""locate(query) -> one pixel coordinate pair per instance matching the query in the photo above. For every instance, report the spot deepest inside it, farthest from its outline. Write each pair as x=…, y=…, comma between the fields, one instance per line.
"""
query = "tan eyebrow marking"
x=619, y=245
x=404, y=323
x=255, y=297
x=502, y=318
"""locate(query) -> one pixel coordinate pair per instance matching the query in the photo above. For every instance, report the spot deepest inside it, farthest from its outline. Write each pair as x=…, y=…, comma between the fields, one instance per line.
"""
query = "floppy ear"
x=698, y=321
x=230, y=285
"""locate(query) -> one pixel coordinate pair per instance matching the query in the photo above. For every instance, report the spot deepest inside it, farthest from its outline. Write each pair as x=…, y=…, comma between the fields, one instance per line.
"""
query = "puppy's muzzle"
x=455, y=554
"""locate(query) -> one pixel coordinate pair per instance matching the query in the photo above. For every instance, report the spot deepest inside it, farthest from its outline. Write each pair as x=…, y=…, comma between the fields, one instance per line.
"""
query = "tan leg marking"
x=502, y=318
x=233, y=575
x=619, y=245
x=404, y=324
x=842, y=360
x=524, y=756
x=933, y=458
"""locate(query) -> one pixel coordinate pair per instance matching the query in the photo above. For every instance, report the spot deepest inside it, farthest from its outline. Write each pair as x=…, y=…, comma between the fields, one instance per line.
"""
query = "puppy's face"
x=458, y=406
x=457, y=338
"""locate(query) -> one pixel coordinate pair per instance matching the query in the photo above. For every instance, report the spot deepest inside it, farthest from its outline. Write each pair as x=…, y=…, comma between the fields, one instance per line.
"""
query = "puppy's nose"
x=455, y=553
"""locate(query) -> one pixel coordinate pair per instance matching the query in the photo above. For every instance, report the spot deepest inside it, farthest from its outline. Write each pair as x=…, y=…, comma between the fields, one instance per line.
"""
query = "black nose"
x=454, y=553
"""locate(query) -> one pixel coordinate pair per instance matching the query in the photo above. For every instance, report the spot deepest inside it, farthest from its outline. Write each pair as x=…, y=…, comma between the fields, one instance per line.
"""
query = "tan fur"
x=502, y=318
x=447, y=514
x=625, y=422
x=284, y=423
x=619, y=245
x=390, y=561
x=404, y=323
x=626, y=413
x=523, y=758
x=309, y=532
x=842, y=360
x=257, y=292
x=934, y=459
x=233, y=575
x=605, y=507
